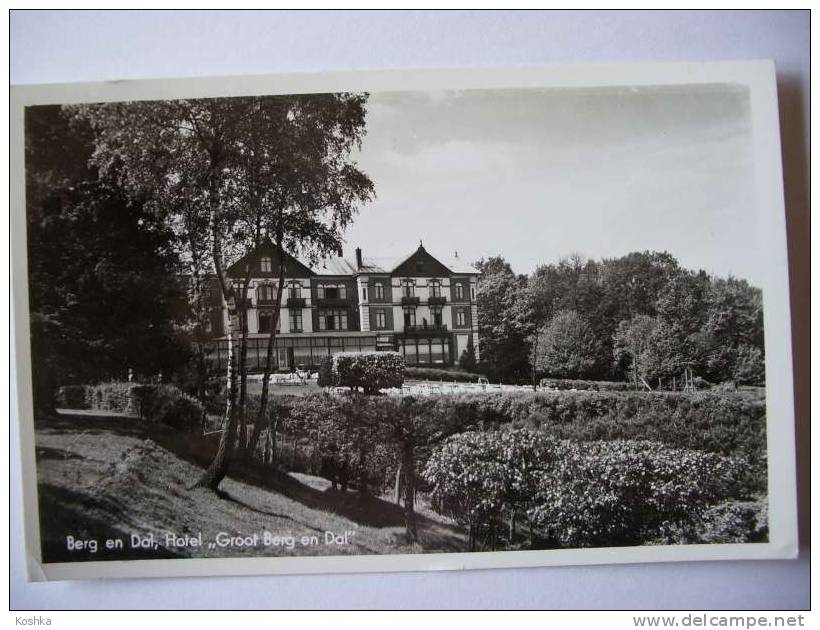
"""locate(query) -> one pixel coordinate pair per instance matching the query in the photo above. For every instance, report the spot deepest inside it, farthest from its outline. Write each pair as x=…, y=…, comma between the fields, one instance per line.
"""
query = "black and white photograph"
x=439, y=317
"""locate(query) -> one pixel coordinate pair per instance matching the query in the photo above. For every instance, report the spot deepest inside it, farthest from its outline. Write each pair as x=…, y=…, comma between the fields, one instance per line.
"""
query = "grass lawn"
x=107, y=477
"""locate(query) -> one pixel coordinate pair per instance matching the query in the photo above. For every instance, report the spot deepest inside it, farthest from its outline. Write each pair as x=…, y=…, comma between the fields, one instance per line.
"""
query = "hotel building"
x=419, y=305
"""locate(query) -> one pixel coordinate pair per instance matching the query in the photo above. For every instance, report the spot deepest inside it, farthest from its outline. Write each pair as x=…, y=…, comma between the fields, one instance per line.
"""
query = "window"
x=331, y=291
x=379, y=291
x=266, y=321
x=419, y=266
x=381, y=320
x=409, y=316
x=408, y=288
x=265, y=294
x=265, y=264
x=295, y=322
x=294, y=289
x=472, y=293
x=435, y=288
x=461, y=317
x=364, y=294
x=333, y=320
x=459, y=291
x=435, y=311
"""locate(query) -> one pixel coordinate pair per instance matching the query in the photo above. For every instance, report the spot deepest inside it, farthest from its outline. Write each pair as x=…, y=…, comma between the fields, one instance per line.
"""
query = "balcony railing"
x=332, y=301
x=437, y=299
x=296, y=302
x=410, y=300
x=424, y=329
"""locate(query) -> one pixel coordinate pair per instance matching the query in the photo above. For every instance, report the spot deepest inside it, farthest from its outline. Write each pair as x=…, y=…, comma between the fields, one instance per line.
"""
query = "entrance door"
x=291, y=362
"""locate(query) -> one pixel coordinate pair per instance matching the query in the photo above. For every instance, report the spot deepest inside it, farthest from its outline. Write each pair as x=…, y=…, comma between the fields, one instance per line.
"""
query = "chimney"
x=358, y=258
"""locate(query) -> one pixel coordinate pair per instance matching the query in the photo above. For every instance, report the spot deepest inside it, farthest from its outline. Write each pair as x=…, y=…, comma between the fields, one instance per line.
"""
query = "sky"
x=537, y=174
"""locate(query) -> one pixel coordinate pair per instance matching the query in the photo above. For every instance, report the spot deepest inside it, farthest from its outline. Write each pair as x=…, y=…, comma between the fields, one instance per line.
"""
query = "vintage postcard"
x=402, y=320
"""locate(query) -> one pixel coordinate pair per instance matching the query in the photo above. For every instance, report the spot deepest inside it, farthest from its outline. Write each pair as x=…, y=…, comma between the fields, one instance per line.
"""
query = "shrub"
x=593, y=494
x=326, y=372
x=727, y=423
x=626, y=492
x=167, y=404
x=371, y=371
x=72, y=397
x=434, y=374
x=113, y=396
x=732, y=521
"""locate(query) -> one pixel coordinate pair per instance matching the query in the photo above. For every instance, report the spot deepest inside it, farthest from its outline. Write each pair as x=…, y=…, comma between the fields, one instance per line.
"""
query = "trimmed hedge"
x=113, y=396
x=434, y=374
x=602, y=386
x=165, y=404
x=371, y=371
x=730, y=423
x=169, y=405
x=72, y=397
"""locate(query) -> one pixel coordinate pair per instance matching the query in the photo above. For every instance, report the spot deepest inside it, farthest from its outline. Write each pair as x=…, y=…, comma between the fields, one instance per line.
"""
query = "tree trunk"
x=216, y=472
x=397, y=486
x=409, y=468
x=242, y=305
x=263, y=399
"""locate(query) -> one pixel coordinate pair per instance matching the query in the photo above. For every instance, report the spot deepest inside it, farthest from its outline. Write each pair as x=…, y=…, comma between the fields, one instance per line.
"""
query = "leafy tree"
x=632, y=342
x=102, y=288
x=467, y=361
x=275, y=167
x=502, y=333
x=567, y=347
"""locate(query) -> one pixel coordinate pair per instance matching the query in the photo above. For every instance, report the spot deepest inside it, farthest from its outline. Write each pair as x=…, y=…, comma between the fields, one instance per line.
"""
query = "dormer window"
x=265, y=264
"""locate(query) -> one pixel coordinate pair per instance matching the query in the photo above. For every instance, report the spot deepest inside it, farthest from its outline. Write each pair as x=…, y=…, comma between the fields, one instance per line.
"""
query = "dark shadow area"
x=198, y=450
x=65, y=513
x=793, y=135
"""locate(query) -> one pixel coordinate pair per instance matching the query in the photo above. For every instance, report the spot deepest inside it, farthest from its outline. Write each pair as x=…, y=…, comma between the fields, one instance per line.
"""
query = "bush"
x=577, y=495
x=167, y=404
x=434, y=374
x=113, y=396
x=326, y=372
x=371, y=371
x=626, y=492
x=72, y=397
x=731, y=423
x=732, y=521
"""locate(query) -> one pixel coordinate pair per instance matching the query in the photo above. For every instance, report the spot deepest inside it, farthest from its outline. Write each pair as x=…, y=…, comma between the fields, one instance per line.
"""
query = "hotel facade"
x=418, y=305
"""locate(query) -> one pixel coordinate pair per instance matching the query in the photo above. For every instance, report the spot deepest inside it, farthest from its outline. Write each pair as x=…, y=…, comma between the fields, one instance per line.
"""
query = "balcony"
x=427, y=329
x=265, y=302
x=436, y=300
x=296, y=302
x=330, y=302
x=410, y=300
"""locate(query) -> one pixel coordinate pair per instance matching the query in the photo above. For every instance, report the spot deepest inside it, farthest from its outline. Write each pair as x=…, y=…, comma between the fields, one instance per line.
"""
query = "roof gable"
x=293, y=268
x=421, y=264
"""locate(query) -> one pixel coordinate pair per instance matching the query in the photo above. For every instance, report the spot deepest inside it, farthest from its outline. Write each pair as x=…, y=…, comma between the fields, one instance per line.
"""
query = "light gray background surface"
x=56, y=46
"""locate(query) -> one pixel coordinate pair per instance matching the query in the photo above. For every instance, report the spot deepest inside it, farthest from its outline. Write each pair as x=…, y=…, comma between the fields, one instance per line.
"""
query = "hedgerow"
x=370, y=371
x=729, y=423
x=433, y=374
